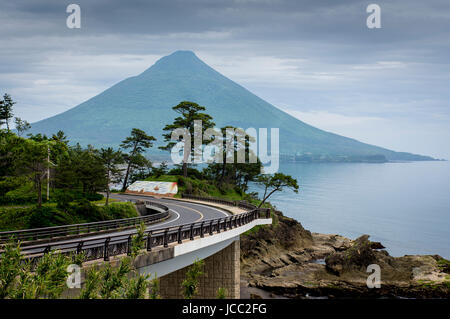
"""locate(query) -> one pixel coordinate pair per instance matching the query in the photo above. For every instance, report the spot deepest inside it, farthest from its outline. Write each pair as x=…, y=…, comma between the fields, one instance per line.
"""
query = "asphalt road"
x=181, y=212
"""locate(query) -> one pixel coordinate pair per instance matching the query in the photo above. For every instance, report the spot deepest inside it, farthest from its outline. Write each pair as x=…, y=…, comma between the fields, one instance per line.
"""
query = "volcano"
x=145, y=102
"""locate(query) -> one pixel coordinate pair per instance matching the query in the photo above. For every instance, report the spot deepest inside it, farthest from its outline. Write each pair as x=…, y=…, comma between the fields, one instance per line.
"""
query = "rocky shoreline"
x=285, y=260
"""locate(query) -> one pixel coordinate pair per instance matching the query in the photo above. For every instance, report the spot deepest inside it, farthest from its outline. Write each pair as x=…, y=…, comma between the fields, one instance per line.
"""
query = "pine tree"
x=138, y=142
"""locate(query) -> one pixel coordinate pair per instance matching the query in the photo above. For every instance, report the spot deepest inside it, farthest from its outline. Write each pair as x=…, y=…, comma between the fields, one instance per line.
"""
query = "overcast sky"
x=316, y=60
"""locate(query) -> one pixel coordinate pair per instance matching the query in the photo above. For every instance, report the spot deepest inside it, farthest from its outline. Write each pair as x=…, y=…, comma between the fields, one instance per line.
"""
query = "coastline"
x=402, y=205
x=301, y=264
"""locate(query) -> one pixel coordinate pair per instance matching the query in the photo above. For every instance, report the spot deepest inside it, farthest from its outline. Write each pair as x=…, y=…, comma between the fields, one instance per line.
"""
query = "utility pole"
x=48, y=172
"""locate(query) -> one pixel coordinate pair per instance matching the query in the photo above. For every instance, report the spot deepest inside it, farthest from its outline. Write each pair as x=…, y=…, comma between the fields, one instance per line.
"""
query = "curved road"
x=181, y=212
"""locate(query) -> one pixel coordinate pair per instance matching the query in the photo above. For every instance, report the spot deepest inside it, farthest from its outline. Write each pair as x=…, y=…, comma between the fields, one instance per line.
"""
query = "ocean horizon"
x=405, y=206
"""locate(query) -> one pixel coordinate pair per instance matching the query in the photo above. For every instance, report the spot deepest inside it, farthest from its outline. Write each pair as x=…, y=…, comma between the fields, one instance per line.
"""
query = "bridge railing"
x=86, y=228
x=241, y=204
x=106, y=246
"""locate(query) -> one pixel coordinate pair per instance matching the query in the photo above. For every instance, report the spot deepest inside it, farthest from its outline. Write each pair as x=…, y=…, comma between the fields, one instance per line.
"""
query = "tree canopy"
x=276, y=183
x=137, y=142
x=189, y=113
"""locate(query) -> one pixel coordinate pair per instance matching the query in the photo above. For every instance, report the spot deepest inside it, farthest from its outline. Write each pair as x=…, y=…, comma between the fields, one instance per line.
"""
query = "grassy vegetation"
x=29, y=216
x=444, y=265
x=201, y=187
x=208, y=188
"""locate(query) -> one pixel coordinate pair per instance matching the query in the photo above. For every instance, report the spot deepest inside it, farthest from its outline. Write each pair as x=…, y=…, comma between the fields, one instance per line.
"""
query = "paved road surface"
x=181, y=212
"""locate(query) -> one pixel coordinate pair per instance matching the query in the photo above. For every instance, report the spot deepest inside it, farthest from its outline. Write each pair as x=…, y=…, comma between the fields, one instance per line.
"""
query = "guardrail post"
x=201, y=230
x=211, y=228
x=218, y=226
x=179, y=235
x=106, y=249
x=149, y=241
x=47, y=249
x=225, y=224
x=268, y=213
x=129, y=246
x=79, y=247
x=166, y=238
x=191, y=236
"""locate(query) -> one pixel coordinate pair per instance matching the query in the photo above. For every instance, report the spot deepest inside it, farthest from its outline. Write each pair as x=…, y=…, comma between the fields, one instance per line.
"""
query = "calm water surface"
x=405, y=206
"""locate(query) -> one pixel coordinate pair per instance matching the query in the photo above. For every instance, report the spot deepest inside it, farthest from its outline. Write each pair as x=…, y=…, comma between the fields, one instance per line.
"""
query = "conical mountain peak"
x=178, y=60
x=146, y=102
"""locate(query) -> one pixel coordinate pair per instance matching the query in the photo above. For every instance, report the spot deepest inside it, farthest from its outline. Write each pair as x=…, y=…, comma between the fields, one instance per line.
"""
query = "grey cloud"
x=329, y=35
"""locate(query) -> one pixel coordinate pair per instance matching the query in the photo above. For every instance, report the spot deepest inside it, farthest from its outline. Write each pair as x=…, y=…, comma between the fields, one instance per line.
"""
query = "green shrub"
x=8, y=184
x=22, y=195
x=48, y=216
x=119, y=210
x=63, y=199
x=191, y=282
x=14, y=218
x=93, y=197
x=192, y=172
x=88, y=211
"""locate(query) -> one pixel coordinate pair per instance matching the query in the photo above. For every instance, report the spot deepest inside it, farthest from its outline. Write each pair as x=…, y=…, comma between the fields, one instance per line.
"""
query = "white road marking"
x=207, y=206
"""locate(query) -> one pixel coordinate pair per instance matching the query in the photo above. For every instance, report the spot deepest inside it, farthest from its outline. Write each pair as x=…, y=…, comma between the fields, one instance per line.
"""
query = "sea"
x=405, y=206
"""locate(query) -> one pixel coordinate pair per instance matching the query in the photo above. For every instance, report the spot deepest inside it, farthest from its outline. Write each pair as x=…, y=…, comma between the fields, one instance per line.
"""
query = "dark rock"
x=357, y=257
x=376, y=245
x=284, y=234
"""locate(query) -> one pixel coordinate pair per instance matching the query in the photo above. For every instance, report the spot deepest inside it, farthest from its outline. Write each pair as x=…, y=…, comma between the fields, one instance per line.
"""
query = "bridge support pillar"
x=222, y=270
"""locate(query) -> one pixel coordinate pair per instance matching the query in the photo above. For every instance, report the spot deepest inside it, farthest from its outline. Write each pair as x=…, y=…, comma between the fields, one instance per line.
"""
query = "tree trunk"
x=107, y=186
x=184, y=169
x=107, y=197
x=125, y=180
x=124, y=186
x=223, y=171
x=266, y=197
x=39, y=189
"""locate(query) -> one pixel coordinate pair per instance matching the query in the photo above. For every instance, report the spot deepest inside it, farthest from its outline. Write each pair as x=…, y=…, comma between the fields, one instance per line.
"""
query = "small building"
x=168, y=189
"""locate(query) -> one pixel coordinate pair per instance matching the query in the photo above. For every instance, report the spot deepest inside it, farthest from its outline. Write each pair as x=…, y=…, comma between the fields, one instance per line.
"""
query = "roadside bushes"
x=48, y=216
x=8, y=184
x=14, y=218
x=120, y=210
x=92, y=213
x=64, y=195
x=88, y=211
x=23, y=194
x=192, y=172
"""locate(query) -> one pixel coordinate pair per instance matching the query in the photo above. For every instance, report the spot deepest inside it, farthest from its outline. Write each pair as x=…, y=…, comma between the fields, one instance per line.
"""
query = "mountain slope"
x=145, y=102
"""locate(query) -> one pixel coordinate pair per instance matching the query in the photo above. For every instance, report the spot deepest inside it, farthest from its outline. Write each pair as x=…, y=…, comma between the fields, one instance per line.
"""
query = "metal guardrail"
x=106, y=246
x=241, y=204
x=87, y=228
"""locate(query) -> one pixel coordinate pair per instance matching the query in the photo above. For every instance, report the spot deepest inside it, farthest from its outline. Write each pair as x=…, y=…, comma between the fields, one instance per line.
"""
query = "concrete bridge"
x=178, y=231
